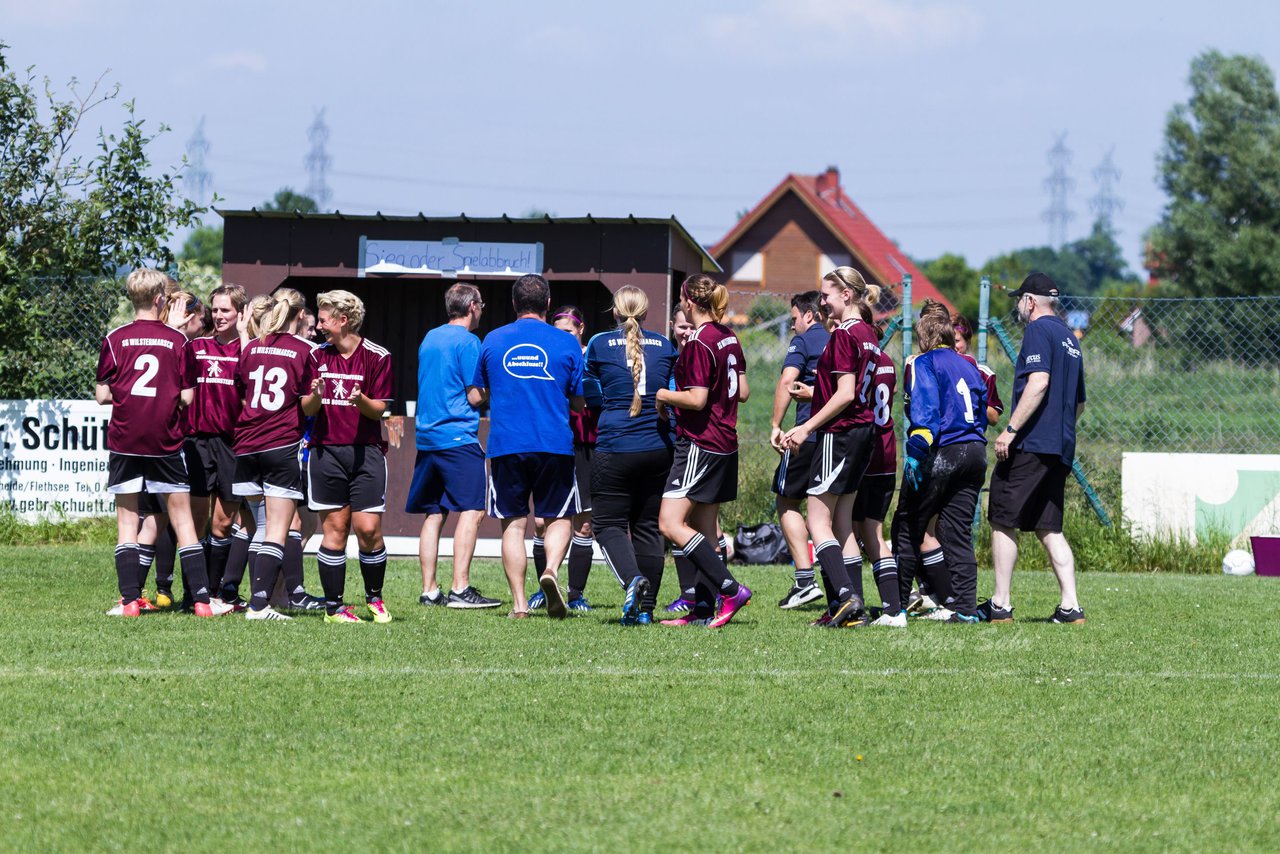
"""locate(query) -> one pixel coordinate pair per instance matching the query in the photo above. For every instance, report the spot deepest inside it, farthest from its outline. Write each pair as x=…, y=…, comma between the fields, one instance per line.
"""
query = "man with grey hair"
x=1036, y=449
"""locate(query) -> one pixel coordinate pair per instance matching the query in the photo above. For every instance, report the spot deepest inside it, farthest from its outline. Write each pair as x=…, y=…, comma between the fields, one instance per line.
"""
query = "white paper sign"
x=448, y=257
x=1190, y=495
x=53, y=459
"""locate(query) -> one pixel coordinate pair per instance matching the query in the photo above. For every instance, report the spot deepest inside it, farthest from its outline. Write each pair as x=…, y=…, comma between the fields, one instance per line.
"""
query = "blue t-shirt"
x=1049, y=345
x=447, y=360
x=609, y=384
x=948, y=398
x=531, y=369
x=803, y=354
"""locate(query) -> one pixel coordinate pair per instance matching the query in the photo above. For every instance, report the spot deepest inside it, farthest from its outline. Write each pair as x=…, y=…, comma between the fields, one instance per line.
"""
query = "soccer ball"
x=1238, y=562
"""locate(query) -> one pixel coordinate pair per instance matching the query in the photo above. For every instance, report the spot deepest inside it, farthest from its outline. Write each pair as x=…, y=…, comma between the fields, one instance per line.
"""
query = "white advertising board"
x=53, y=459
x=1191, y=495
x=448, y=257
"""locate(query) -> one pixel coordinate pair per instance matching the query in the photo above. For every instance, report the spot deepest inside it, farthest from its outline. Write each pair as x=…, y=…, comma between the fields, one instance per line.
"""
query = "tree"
x=68, y=220
x=203, y=247
x=1102, y=257
x=956, y=281
x=287, y=200
x=1220, y=166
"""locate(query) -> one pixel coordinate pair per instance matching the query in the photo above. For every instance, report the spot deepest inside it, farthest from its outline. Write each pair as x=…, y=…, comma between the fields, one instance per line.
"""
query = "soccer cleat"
x=731, y=605
x=1061, y=615
x=645, y=618
x=679, y=605
x=990, y=612
x=897, y=621
x=636, y=590
x=470, y=598
x=267, y=613
x=379, y=611
x=939, y=615
x=554, y=598
x=120, y=609
x=144, y=604
x=237, y=604
x=920, y=603
x=848, y=612
x=687, y=620
x=164, y=598
x=800, y=596
x=957, y=617
x=579, y=604
x=212, y=608
x=343, y=615
x=537, y=601
x=305, y=602
x=823, y=621
x=439, y=599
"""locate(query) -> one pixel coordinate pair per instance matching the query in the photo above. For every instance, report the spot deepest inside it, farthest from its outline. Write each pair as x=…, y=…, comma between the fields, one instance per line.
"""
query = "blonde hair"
x=187, y=298
x=258, y=306
x=145, y=284
x=343, y=303
x=865, y=295
x=274, y=313
x=934, y=327
x=706, y=293
x=630, y=305
x=235, y=293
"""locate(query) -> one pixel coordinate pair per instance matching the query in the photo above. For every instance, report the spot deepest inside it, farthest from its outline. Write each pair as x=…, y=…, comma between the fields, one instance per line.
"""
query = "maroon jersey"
x=881, y=386
x=272, y=378
x=339, y=422
x=989, y=377
x=217, y=403
x=712, y=359
x=147, y=365
x=583, y=424
x=852, y=349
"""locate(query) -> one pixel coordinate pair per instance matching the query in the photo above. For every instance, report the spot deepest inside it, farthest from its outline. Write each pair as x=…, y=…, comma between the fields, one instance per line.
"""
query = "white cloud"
x=846, y=27
x=240, y=60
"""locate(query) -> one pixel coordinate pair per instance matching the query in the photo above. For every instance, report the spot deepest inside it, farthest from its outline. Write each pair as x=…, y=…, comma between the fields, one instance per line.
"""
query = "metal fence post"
x=984, y=315
x=906, y=316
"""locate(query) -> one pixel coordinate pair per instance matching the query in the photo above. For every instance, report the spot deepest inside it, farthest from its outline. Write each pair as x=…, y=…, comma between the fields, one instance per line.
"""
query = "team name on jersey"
x=885, y=369
x=147, y=342
x=647, y=342
x=276, y=351
x=874, y=348
x=726, y=342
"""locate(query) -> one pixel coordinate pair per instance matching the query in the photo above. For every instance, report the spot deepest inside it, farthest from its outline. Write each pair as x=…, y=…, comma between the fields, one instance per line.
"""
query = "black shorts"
x=342, y=475
x=702, y=476
x=151, y=504
x=875, y=494
x=211, y=466
x=129, y=475
x=582, y=455
x=275, y=473
x=448, y=479
x=1027, y=492
x=840, y=461
x=547, y=479
x=791, y=480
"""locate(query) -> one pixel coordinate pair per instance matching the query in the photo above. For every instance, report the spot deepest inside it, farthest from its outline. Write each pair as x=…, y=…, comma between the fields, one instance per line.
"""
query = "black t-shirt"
x=1050, y=346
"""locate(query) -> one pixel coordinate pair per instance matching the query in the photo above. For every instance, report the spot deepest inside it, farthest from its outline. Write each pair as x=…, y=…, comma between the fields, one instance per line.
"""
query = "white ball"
x=1238, y=562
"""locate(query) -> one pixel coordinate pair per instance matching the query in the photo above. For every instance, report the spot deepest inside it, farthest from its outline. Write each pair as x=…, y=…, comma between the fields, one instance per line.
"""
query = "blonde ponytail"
x=630, y=305
x=706, y=293
x=865, y=296
x=271, y=316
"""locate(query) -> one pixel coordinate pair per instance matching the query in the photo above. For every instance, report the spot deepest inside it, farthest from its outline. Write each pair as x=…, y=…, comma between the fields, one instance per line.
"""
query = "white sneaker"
x=939, y=615
x=897, y=621
x=117, y=610
x=267, y=613
x=798, y=596
x=920, y=603
x=219, y=607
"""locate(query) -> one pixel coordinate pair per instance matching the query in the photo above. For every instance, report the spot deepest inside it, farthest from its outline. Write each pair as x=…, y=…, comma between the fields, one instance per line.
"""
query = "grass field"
x=1153, y=727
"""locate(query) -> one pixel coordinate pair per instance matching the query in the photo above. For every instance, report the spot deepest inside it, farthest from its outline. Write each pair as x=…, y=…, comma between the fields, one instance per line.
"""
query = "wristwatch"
x=1009, y=428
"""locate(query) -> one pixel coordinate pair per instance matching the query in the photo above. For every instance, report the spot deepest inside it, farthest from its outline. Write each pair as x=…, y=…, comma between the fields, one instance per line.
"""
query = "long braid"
x=635, y=353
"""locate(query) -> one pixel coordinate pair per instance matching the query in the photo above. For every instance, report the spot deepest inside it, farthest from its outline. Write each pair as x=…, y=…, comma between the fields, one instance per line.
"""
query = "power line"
x=197, y=176
x=1059, y=184
x=318, y=160
x=1107, y=203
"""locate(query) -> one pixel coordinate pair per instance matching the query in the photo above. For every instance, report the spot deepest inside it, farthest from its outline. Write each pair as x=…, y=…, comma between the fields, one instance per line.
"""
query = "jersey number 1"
x=963, y=388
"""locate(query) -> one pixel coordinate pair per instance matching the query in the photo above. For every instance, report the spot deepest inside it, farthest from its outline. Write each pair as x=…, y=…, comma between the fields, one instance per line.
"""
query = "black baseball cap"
x=1038, y=284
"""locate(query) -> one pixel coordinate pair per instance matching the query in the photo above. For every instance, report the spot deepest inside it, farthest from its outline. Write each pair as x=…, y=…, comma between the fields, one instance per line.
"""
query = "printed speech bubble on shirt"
x=526, y=362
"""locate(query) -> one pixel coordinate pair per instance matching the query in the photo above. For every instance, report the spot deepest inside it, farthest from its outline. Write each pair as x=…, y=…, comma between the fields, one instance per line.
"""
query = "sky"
x=939, y=115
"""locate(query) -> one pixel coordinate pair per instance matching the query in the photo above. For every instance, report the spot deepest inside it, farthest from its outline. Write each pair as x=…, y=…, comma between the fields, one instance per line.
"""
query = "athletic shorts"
x=840, y=461
x=582, y=456
x=702, y=476
x=875, y=494
x=129, y=475
x=151, y=504
x=342, y=475
x=448, y=479
x=275, y=473
x=791, y=480
x=211, y=466
x=546, y=479
x=1027, y=492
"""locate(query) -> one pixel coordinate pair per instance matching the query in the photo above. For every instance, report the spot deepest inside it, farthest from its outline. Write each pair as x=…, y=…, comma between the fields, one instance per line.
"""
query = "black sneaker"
x=470, y=598
x=798, y=596
x=989, y=612
x=849, y=614
x=439, y=599
x=305, y=602
x=1061, y=615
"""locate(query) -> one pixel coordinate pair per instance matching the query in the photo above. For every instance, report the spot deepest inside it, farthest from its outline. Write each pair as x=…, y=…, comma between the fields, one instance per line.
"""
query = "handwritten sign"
x=448, y=257
x=53, y=459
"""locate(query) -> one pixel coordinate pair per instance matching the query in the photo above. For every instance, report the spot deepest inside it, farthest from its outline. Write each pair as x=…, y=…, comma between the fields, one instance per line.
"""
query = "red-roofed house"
x=806, y=226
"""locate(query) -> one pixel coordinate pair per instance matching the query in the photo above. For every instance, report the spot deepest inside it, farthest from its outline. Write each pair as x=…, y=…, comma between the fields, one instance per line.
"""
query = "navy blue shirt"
x=802, y=354
x=948, y=398
x=1048, y=345
x=609, y=386
x=531, y=369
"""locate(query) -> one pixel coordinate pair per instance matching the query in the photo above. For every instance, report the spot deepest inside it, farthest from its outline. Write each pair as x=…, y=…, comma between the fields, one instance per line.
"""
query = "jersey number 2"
x=150, y=366
x=274, y=381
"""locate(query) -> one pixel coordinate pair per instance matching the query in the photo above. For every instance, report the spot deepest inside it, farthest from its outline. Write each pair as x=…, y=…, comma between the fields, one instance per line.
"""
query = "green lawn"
x=1153, y=727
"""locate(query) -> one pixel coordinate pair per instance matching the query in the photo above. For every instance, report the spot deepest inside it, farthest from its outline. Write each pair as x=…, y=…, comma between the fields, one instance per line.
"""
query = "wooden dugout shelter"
x=400, y=266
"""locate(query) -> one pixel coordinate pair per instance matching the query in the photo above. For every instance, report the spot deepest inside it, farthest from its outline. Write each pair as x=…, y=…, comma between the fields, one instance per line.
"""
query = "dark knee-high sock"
x=195, y=576
x=722, y=548
x=266, y=569
x=685, y=571
x=885, y=572
x=219, y=551
x=237, y=562
x=332, y=564
x=147, y=559
x=293, y=565
x=127, y=571
x=933, y=571
x=166, y=551
x=373, y=568
x=834, y=574
x=539, y=556
x=710, y=565
x=651, y=567
x=579, y=565
x=853, y=566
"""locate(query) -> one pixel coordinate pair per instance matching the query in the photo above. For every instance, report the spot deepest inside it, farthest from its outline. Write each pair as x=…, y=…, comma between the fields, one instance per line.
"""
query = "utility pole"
x=1059, y=184
x=1107, y=203
x=318, y=160
x=197, y=178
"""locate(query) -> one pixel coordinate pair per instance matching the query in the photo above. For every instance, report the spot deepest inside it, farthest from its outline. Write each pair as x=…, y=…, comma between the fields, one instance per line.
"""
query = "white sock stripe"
x=538, y=541
x=188, y=550
x=677, y=552
x=295, y=535
x=825, y=544
x=124, y=546
x=373, y=557
x=271, y=551
x=852, y=561
x=930, y=560
x=583, y=541
x=219, y=541
x=339, y=559
x=694, y=542
x=241, y=534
